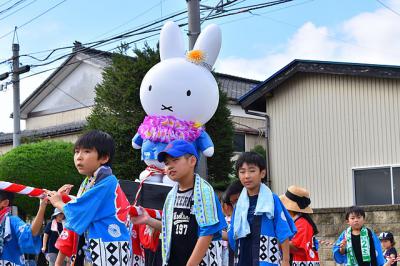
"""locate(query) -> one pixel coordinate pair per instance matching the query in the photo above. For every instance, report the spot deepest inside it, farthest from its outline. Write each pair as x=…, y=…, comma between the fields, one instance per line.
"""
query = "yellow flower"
x=196, y=56
x=197, y=125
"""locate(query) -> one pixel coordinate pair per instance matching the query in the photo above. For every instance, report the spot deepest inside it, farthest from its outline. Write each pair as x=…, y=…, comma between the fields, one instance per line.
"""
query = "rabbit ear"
x=171, y=41
x=209, y=41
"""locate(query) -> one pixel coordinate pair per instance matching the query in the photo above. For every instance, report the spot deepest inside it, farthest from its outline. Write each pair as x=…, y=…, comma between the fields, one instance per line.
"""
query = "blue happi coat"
x=269, y=233
x=99, y=213
x=18, y=242
x=342, y=258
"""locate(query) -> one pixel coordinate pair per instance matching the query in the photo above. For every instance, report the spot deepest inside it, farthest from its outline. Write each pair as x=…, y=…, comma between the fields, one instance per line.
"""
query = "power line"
x=6, y=2
x=36, y=17
x=136, y=32
x=129, y=21
x=388, y=7
x=12, y=6
x=12, y=13
x=90, y=57
x=130, y=33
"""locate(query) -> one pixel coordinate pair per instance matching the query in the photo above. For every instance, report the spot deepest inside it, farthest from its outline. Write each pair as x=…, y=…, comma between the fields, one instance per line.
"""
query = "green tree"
x=221, y=130
x=118, y=111
x=117, y=108
x=260, y=150
x=45, y=164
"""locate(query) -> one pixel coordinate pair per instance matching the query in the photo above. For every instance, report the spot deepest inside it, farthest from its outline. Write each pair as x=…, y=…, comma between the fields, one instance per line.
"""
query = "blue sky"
x=253, y=45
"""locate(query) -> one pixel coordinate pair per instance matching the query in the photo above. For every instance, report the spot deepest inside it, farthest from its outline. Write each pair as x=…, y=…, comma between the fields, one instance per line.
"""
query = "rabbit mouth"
x=169, y=108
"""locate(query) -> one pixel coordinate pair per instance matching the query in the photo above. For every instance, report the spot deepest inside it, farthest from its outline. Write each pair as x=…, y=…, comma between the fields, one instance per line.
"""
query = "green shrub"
x=260, y=150
x=45, y=164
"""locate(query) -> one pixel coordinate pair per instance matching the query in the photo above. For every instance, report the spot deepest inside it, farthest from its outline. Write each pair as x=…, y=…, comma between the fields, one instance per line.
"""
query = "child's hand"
x=390, y=260
x=43, y=202
x=142, y=218
x=53, y=197
x=285, y=263
x=342, y=246
x=66, y=189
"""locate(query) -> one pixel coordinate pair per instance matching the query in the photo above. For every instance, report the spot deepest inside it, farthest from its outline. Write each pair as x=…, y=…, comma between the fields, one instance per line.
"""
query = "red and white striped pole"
x=39, y=193
x=29, y=191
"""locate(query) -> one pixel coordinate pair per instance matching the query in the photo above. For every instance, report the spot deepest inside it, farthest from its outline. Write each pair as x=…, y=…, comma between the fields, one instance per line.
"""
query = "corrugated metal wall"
x=324, y=125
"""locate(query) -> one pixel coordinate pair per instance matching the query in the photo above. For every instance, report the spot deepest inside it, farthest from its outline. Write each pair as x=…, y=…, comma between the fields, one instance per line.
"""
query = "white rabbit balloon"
x=179, y=95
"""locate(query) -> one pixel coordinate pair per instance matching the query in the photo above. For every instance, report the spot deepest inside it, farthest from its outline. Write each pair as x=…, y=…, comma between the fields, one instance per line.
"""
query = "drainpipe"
x=267, y=127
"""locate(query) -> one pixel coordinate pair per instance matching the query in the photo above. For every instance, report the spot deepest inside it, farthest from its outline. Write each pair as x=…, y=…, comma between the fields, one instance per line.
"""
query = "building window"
x=239, y=142
x=377, y=186
x=396, y=184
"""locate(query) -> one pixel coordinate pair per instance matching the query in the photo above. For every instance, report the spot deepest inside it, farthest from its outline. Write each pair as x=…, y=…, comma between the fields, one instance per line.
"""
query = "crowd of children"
x=253, y=226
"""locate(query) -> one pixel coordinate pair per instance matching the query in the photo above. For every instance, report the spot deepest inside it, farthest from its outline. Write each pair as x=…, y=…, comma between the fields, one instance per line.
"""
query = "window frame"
x=390, y=166
x=244, y=137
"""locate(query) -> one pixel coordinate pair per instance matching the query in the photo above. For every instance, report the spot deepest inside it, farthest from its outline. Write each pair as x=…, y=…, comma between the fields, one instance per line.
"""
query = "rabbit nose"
x=169, y=108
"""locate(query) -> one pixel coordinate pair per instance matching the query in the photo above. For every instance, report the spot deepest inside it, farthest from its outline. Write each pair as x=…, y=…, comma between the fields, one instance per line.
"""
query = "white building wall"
x=322, y=126
x=57, y=119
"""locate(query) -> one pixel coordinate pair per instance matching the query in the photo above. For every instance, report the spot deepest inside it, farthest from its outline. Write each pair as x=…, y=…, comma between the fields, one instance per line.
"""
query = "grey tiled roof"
x=7, y=138
x=235, y=87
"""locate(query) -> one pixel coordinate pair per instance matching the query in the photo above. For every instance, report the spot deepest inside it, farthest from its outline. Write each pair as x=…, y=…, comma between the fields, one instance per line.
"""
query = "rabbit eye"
x=188, y=93
x=150, y=87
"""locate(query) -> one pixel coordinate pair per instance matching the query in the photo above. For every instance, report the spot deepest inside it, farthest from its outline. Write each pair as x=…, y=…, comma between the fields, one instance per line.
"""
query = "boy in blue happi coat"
x=261, y=226
x=99, y=212
x=192, y=216
x=358, y=245
x=17, y=237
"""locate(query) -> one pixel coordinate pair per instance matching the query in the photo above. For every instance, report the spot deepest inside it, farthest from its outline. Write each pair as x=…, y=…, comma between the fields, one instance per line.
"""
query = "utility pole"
x=194, y=32
x=16, y=109
x=16, y=71
x=193, y=21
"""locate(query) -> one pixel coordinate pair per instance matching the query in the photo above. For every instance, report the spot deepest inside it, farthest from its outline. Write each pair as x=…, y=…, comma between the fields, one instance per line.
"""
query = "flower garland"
x=165, y=129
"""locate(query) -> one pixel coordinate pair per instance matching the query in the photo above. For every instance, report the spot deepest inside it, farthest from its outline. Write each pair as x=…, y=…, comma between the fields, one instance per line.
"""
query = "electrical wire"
x=129, y=21
x=34, y=18
x=6, y=2
x=98, y=55
x=388, y=7
x=137, y=31
x=12, y=6
x=12, y=13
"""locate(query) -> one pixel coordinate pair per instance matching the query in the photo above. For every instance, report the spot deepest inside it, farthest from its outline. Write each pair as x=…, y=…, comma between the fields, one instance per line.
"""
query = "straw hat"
x=297, y=199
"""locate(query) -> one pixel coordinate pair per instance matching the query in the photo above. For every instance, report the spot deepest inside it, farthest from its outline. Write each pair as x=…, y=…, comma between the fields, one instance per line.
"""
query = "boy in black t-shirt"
x=358, y=245
x=192, y=217
x=389, y=251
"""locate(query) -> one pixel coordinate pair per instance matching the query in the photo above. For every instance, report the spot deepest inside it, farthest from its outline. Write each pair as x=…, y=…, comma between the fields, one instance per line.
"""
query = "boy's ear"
x=104, y=159
x=193, y=160
x=263, y=173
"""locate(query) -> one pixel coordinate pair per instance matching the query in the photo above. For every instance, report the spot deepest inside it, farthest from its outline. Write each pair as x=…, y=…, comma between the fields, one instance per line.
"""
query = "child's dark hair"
x=356, y=210
x=101, y=141
x=234, y=188
x=250, y=158
x=4, y=195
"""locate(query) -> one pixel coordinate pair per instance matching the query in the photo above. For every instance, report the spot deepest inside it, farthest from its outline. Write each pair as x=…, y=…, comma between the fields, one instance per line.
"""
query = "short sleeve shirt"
x=303, y=240
x=53, y=236
x=184, y=229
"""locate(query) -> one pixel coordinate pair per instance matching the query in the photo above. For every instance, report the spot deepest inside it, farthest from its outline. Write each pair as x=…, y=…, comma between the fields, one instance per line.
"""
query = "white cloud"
x=370, y=37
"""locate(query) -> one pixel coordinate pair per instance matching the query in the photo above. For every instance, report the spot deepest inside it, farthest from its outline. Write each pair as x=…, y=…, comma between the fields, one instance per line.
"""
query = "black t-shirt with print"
x=184, y=229
x=53, y=236
x=356, y=242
